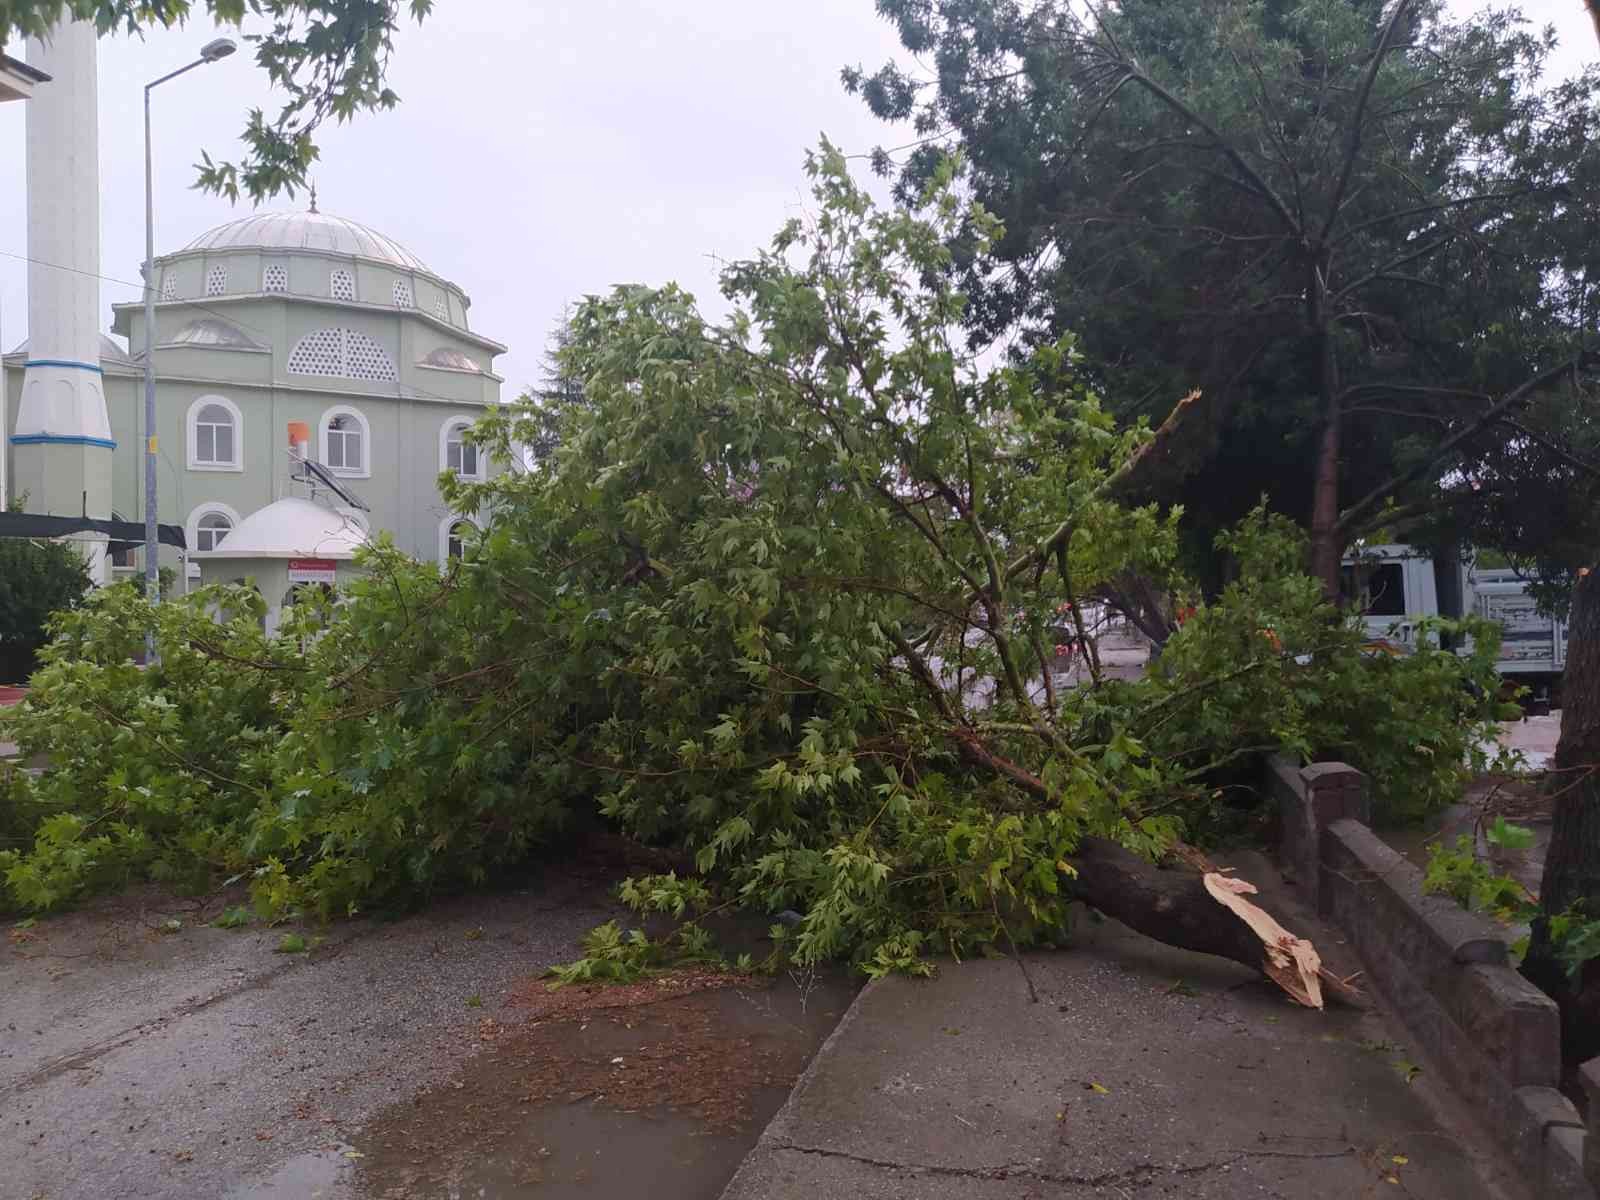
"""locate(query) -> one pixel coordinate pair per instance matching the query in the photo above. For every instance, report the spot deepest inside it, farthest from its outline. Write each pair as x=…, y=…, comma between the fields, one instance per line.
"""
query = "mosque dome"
x=293, y=527
x=314, y=231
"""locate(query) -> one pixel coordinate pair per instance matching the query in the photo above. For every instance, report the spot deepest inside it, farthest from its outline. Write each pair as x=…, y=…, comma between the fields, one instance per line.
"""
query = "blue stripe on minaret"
x=64, y=362
x=60, y=439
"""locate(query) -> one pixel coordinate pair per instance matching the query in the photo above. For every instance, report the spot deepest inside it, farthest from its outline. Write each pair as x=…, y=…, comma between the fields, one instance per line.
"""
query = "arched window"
x=346, y=442
x=169, y=285
x=215, y=435
x=455, y=535
x=342, y=352
x=210, y=531
x=217, y=280
x=209, y=525
x=342, y=284
x=275, y=278
x=456, y=451
x=402, y=294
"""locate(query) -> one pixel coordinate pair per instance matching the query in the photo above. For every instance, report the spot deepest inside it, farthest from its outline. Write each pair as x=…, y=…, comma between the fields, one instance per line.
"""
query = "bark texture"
x=1175, y=907
x=1572, y=866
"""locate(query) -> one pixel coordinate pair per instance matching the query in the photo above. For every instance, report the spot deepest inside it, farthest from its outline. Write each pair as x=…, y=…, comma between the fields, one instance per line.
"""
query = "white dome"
x=307, y=231
x=291, y=528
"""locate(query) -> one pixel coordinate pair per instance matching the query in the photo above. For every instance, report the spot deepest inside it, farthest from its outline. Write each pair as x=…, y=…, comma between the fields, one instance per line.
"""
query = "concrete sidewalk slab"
x=1141, y=1071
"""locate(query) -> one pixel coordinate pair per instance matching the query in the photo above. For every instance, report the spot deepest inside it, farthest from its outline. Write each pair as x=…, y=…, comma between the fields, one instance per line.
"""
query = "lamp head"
x=217, y=48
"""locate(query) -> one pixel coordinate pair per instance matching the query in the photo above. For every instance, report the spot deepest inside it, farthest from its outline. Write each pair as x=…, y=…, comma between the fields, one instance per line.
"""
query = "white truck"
x=1396, y=585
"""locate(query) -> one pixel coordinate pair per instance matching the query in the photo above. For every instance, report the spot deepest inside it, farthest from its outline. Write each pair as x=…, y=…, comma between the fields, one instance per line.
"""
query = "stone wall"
x=1447, y=973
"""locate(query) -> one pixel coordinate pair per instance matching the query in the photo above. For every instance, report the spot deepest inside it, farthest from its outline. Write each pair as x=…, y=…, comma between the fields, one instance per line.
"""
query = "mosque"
x=270, y=330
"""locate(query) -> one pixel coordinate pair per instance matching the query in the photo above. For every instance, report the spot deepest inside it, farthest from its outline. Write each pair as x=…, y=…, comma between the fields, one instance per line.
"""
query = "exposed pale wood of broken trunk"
x=1204, y=910
x=1291, y=962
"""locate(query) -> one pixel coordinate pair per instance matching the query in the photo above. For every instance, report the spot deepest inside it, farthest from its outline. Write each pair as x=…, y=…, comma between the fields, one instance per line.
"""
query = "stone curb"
x=775, y=1136
x=1446, y=972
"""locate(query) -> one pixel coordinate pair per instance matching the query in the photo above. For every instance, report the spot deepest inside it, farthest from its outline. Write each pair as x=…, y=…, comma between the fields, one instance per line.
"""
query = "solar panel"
x=317, y=475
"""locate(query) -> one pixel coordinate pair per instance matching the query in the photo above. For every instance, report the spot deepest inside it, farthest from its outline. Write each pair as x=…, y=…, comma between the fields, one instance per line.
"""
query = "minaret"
x=62, y=441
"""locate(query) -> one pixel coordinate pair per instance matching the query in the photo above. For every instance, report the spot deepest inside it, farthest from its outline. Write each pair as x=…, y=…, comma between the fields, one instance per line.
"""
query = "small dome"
x=451, y=360
x=293, y=527
x=110, y=350
x=209, y=331
x=308, y=231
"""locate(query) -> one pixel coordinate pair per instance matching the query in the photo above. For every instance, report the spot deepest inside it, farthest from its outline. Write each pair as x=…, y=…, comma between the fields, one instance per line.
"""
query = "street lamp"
x=212, y=51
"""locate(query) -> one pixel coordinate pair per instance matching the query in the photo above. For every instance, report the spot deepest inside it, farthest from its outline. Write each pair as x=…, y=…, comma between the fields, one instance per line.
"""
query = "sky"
x=543, y=150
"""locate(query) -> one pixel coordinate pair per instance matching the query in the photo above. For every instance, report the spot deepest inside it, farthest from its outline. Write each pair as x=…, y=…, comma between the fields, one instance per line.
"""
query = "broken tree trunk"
x=1204, y=911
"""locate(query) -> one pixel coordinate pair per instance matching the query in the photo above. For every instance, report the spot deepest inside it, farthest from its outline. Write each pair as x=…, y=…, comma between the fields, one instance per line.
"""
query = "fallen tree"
x=786, y=595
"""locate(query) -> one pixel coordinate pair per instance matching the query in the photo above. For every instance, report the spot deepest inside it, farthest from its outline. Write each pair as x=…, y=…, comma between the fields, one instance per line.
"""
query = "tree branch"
x=1496, y=412
x=1357, y=120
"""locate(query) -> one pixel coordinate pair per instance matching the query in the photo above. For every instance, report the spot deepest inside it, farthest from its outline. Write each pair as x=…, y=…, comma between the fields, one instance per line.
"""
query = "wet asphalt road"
x=137, y=1061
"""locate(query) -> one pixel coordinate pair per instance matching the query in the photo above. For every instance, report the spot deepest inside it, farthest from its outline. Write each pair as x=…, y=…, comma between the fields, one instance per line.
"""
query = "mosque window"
x=217, y=280
x=210, y=531
x=341, y=352
x=275, y=278
x=458, y=453
x=169, y=286
x=441, y=308
x=214, y=434
x=209, y=525
x=345, y=441
x=342, y=284
x=402, y=294
x=455, y=535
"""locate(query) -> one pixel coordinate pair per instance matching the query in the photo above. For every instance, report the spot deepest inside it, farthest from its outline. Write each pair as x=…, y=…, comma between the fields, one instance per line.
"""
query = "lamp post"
x=211, y=52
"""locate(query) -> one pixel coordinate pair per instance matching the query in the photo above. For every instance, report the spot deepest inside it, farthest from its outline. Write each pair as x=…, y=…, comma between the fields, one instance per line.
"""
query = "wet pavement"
x=1139, y=1071
x=142, y=1060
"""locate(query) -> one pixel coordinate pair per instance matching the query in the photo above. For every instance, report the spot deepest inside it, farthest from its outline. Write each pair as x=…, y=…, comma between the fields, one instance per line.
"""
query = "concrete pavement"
x=1141, y=1071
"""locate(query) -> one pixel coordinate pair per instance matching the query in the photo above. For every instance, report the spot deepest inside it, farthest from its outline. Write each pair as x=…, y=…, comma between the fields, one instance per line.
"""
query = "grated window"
x=342, y=285
x=217, y=280
x=402, y=294
x=441, y=308
x=342, y=352
x=169, y=286
x=275, y=278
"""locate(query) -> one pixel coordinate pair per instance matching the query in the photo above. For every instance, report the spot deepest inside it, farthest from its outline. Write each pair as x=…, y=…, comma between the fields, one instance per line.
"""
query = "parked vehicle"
x=1397, y=585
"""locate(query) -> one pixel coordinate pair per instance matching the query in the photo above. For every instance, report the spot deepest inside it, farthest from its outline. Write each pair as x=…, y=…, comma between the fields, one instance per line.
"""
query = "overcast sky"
x=542, y=150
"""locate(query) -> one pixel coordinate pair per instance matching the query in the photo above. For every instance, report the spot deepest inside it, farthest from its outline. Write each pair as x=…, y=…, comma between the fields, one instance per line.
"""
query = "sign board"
x=312, y=570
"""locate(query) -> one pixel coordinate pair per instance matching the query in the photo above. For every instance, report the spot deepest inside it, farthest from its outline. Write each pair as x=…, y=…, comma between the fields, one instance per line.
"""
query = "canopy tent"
x=36, y=525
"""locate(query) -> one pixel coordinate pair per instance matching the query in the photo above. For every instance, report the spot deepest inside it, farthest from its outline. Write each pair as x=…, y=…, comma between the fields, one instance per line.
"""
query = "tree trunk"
x=1177, y=907
x=1326, y=545
x=1572, y=866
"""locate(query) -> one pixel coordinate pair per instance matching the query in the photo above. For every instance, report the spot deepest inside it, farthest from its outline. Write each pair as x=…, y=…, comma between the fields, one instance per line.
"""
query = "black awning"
x=35, y=525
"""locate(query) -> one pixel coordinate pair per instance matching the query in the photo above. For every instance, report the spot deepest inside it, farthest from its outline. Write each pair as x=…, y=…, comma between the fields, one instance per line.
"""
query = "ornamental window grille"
x=341, y=352
x=169, y=287
x=441, y=309
x=275, y=278
x=402, y=294
x=214, y=437
x=342, y=285
x=345, y=448
x=217, y=280
x=210, y=530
